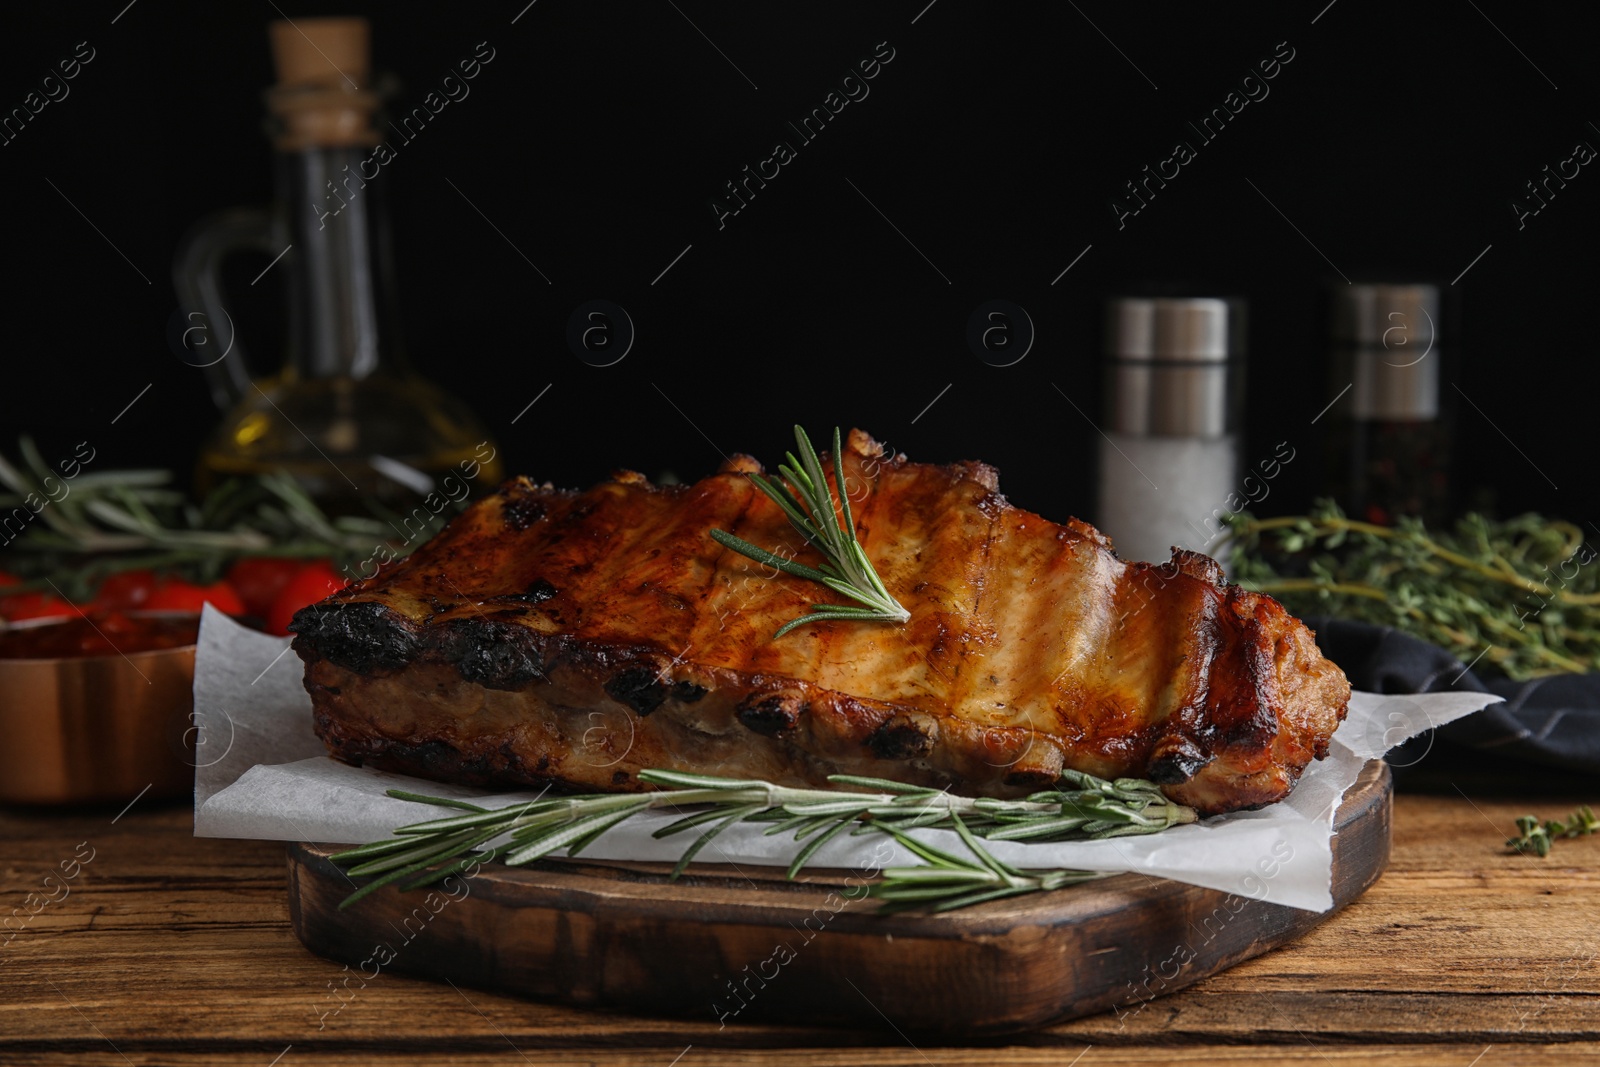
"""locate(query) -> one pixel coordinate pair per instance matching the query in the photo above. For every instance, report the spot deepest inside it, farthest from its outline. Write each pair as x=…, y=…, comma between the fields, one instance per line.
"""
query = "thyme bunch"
x=1521, y=595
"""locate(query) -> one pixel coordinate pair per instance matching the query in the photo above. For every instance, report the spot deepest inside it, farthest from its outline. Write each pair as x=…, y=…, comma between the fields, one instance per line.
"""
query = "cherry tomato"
x=259, y=579
x=126, y=590
x=172, y=594
x=21, y=606
x=314, y=582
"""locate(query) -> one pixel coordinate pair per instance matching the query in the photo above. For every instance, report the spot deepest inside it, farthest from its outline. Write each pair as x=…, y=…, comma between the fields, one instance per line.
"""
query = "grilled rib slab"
x=580, y=637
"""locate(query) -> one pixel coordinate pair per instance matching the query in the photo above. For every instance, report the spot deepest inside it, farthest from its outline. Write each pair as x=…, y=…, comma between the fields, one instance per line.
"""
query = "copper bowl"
x=82, y=729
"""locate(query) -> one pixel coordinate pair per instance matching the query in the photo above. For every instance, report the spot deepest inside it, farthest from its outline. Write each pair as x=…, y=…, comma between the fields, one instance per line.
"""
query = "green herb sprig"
x=1523, y=592
x=1083, y=807
x=116, y=520
x=1537, y=837
x=804, y=496
x=946, y=882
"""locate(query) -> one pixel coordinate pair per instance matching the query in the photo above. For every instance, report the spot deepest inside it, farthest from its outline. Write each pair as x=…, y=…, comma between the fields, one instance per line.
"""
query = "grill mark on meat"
x=927, y=635
x=521, y=511
x=819, y=638
x=1036, y=599
x=1177, y=763
x=982, y=608
x=688, y=692
x=494, y=654
x=644, y=689
x=538, y=591
x=770, y=714
x=364, y=636
x=958, y=626
x=1031, y=662
x=1257, y=726
x=903, y=737
x=830, y=655
x=690, y=571
x=639, y=688
x=596, y=544
x=729, y=631
x=1187, y=741
x=894, y=534
x=472, y=574
x=1065, y=655
x=652, y=568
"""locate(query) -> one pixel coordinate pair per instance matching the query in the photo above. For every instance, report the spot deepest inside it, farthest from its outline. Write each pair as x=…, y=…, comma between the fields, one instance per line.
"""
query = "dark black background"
x=1395, y=140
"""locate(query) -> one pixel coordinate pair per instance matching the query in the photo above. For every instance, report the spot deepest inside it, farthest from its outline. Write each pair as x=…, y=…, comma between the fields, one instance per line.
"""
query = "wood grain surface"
x=744, y=945
x=168, y=949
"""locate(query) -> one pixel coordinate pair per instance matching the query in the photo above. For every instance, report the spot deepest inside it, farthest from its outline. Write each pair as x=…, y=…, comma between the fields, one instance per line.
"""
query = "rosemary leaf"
x=596, y=832
x=433, y=847
x=558, y=838
x=879, y=785
x=705, y=839
x=686, y=780
x=761, y=555
x=438, y=874
x=982, y=853
x=803, y=857
x=966, y=900
x=688, y=822
x=423, y=798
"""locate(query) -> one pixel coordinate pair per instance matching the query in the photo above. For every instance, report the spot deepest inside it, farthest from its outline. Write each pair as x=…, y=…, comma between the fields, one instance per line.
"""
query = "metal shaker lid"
x=1395, y=317
x=1171, y=372
x=1387, y=338
x=1198, y=329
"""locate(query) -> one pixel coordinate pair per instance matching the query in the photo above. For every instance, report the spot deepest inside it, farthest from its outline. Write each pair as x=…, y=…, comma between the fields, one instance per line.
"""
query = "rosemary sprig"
x=1524, y=592
x=804, y=496
x=1082, y=807
x=948, y=882
x=1537, y=837
x=116, y=520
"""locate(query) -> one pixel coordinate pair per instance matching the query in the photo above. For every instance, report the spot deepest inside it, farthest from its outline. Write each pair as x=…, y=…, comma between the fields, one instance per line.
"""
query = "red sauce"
x=100, y=634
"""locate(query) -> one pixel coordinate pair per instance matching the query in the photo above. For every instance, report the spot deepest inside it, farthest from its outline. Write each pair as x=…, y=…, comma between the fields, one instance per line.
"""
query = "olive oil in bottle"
x=344, y=416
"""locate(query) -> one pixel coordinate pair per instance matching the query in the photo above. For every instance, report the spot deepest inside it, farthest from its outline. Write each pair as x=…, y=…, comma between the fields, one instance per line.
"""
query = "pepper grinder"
x=1388, y=445
x=1169, y=455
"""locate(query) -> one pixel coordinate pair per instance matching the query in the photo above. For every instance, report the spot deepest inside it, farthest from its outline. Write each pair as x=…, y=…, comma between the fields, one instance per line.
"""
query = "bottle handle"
x=197, y=277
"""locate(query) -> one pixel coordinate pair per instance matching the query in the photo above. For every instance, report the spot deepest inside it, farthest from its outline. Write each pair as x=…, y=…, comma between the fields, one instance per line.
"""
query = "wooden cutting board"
x=743, y=944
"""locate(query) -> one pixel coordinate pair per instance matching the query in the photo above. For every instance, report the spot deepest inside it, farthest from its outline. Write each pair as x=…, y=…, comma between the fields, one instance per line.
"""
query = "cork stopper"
x=324, y=71
x=327, y=52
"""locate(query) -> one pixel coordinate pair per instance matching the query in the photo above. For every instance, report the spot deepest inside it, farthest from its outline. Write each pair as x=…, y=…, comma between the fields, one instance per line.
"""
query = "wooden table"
x=171, y=950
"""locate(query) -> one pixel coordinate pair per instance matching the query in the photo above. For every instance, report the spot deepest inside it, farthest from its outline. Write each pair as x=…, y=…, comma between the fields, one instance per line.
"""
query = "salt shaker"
x=1169, y=455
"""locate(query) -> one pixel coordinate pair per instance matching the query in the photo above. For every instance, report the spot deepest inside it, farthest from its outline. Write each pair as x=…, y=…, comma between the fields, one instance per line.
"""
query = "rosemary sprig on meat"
x=1082, y=807
x=1520, y=596
x=804, y=496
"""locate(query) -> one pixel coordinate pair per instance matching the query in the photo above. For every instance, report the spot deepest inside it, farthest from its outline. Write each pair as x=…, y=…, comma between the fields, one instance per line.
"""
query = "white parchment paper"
x=261, y=773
